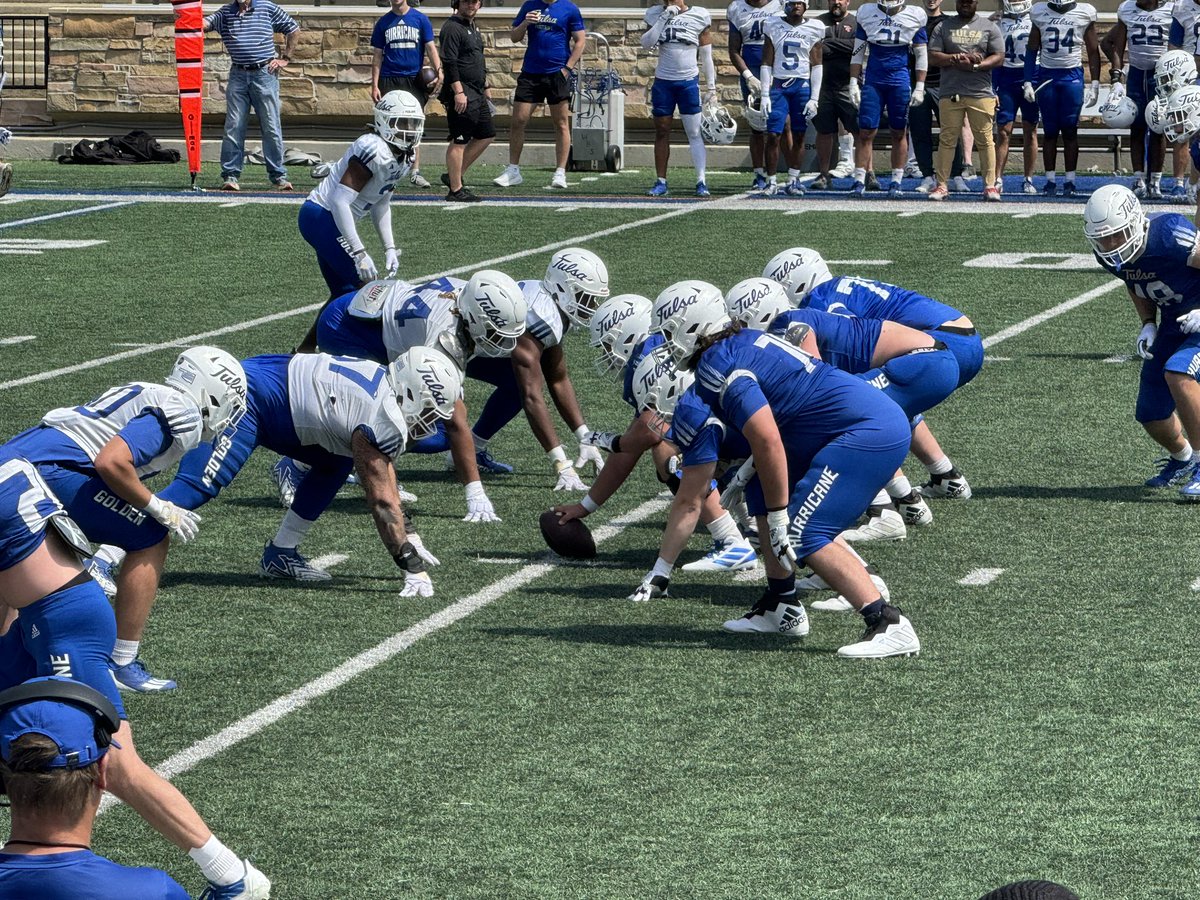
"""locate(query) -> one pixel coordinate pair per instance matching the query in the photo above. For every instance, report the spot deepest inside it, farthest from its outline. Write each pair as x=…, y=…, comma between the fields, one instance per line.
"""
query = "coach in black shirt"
x=465, y=96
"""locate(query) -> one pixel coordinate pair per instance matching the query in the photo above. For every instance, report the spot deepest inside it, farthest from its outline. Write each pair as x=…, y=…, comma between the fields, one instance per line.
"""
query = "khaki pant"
x=980, y=113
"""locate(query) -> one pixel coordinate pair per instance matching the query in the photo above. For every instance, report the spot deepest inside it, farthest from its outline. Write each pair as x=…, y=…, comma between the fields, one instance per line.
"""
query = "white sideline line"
x=329, y=560
x=248, y=726
x=978, y=577
x=312, y=307
x=69, y=212
x=1196, y=585
x=17, y=339
x=500, y=561
x=1045, y=315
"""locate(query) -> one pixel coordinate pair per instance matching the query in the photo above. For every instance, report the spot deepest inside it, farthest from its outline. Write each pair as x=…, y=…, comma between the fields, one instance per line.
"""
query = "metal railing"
x=26, y=51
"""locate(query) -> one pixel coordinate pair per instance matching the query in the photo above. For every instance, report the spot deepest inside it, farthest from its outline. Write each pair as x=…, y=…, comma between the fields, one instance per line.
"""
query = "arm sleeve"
x=1030, y=66
x=860, y=51
x=214, y=22
x=921, y=52
x=710, y=70
x=343, y=217
x=818, y=73
x=577, y=23
x=381, y=213
x=937, y=39
x=705, y=447
x=520, y=15
x=651, y=36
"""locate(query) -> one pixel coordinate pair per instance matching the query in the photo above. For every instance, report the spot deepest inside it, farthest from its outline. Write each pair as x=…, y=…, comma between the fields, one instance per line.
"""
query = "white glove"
x=765, y=104
x=781, y=542
x=1146, y=339
x=752, y=83
x=1189, y=322
x=589, y=453
x=1093, y=94
x=417, y=584
x=1116, y=93
x=479, y=507
x=5, y=135
x=419, y=546
x=183, y=523
x=810, y=109
x=568, y=478
x=732, y=495
x=391, y=262
x=855, y=93
x=652, y=587
x=918, y=95
x=365, y=266
x=1027, y=90
x=670, y=12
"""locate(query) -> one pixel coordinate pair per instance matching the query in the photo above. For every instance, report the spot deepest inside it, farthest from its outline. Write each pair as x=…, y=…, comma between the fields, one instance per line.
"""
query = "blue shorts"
x=967, y=350
x=18, y=538
x=1140, y=89
x=1061, y=100
x=878, y=97
x=70, y=633
x=1009, y=85
x=666, y=95
x=1173, y=351
x=342, y=334
x=104, y=517
x=1194, y=152
x=788, y=102
x=917, y=381
x=333, y=255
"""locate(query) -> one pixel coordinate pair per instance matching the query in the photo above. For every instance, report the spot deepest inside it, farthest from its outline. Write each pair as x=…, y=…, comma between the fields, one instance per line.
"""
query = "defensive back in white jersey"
x=679, y=41
x=94, y=424
x=424, y=317
x=1015, y=31
x=1187, y=14
x=543, y=321
x=1062, y=34
x=1147, y=31
x=750, y=20
x=792, y=44
x=334, y=396
x=373, y=152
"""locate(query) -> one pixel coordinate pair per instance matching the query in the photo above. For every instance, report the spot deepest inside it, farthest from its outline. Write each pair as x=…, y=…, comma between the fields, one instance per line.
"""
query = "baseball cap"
x=77, y=727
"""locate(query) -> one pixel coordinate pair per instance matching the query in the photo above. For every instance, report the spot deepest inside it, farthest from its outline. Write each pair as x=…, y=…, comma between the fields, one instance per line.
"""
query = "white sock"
x=899, y=487
x=882, y=499
x=562, y=172
x=218, y=863
x=771, y=179
x=480, y=444
x=291, y=531
x=1068, y=176
x=897, y=175
x=845, y=147
x=125, y=652
x=761, y=171
x=110, y=554
x=691, y=127
x=1182, y=456
x=1050, y=176
x=793, y=174
x=1156, y=178
x=940, y=466
x=860, y=175
x=724, y=530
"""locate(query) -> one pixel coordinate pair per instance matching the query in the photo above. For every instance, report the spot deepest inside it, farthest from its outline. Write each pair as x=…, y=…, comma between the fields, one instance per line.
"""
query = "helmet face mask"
x=717, y=126
x=399, y=120
x=1181, y=119
x=753, y=114
x=493, y=307
x=657, y=386
x=1175, y=69
x=619, y=325
x=427, y=386
x=1017, y=8
x=890, y=7
x=577, y=280
x=216, y=383
x=1115, y=225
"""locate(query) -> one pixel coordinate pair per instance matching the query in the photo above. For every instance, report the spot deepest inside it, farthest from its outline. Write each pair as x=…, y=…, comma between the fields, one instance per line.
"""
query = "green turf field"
x=558, y=741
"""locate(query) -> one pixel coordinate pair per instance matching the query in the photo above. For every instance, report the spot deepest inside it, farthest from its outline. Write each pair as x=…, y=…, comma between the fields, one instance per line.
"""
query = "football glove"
x=589, y=454
x=568, y=478
x=422, y=551
x=652, y=587
x=855, y=92
x=182, y=523
x=670, y=12
x=765, y=104
x=391, y=262
x=417, y=584
x=479, y=507
x=365, y=266
x=1093, y=94
x=752, y=84
x=608, y=441
x=778, y=527
x=732, y=495
x=918, y=95
x=810, y=109
x=1029, y=93
x=1189, y=322
x=1145, y=340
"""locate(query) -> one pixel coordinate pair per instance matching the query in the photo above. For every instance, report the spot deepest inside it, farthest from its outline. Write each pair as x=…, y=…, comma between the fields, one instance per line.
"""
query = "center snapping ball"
x=571, y=540
x=426, y=78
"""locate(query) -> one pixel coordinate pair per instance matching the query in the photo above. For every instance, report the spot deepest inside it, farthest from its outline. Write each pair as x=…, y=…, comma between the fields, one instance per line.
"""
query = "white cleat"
x=914, y=511
x=887, y=526
x=730, y=557
x=785, y=619
x=405, y=496
x=949, y=485
x=892, y=635
x=927, y=184
x=559, y=181
x=815, y=582
x=510, y=177
x=844, y=169
x=833, y=604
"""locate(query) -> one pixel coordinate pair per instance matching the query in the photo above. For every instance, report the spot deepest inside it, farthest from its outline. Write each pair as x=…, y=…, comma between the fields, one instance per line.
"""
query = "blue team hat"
x=78, y=718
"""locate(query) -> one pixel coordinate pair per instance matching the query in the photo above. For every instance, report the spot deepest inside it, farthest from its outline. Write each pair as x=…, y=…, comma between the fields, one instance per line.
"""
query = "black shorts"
x=406, y=83
x=474, y=124
x=552, y=88
x=835, y=106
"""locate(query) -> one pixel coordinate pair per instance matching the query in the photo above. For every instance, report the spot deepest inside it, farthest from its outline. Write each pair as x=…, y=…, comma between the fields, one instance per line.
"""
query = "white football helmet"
x=755, y=302
x=493, y=307
x=578, y=281
x=1121, y=114
x=1061, y=6
x=717, y=126
x=427, y=385
x=657, y=386
x=1181, y=119
x=1017, y=8
x=399, y=119
x=619, y=325
x=799, y=270
x=1174, y=69
x=891, y=7
x=216, y=382
x=686, y=312
x=1156, y=119
x=1115, y=225
x=752, y=112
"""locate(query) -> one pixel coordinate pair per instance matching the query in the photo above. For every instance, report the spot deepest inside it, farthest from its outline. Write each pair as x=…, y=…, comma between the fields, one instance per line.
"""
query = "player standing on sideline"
x=791, y=54
x=1054, y=78
x=1158, y=258
x=557, y=39
x=887, y=31
x=683, y=36
x=746, y=20
x=361, y=182
x=400, y=40
x=1142, y=30
x=1007, y=81
x=1185, y=27
x=835, y=106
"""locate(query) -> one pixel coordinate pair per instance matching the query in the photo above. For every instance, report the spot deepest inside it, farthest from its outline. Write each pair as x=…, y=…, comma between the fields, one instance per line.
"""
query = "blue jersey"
x=1162, y=274
x=890, y=38
x=638, y=354
x=703, y=437
x=848, y=295
x=550, y=37
x=813, y=403
x=81, y=873
x=27, y=505
x=845, y=342
x=402, y=40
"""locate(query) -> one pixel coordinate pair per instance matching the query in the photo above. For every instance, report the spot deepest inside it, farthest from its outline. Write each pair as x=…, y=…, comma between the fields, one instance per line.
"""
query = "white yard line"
x=248, y=726
x=69, y=212
x=859, y=262
x=17, y=339
x=329, y=560
x=1196, y=585
x=979, y=577
x=1046, y=315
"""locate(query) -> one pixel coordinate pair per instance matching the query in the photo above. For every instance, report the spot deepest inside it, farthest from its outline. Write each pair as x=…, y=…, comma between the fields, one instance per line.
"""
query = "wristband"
x=408, y=559
x=589, y=504
x=581, y=432
x=557, y=455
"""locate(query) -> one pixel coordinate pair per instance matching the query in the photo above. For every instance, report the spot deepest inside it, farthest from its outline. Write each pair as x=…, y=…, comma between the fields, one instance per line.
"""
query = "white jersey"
x=332, y=397
x=1187, y=14
x=376, y=154
x=543, y=321
x=749, y=22
x=1015, y=31
x=679, y=41
x=94, y=424
x=792, y=44
x=1062, y=34
x=889, y=39
x=1147, y=31
x=425, y=317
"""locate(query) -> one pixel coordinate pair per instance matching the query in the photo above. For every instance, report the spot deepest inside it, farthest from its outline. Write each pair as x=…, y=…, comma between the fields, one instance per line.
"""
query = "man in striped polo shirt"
x=248, y=29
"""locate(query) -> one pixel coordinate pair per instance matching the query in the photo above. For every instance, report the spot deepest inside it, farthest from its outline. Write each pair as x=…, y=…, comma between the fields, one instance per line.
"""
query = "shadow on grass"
x=1126, y=493
x=677, y=636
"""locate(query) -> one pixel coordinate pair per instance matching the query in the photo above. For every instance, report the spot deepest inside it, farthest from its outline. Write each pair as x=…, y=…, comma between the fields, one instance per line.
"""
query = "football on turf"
x=571, y=540
x=427, y=77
